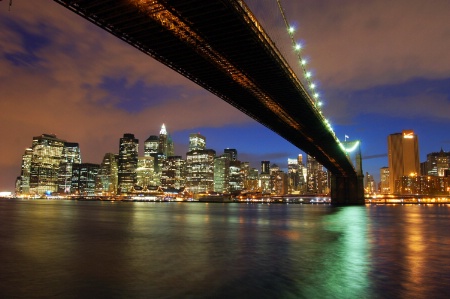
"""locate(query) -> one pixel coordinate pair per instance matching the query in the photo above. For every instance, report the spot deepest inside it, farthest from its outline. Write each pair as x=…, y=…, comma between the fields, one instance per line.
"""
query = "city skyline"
x=58, y=78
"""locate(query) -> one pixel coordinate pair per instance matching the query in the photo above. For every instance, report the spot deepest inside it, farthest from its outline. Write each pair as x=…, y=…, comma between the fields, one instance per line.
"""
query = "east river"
x=76, y=249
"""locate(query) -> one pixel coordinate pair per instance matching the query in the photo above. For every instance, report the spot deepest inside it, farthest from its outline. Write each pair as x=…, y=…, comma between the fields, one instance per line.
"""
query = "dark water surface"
x=70, y=249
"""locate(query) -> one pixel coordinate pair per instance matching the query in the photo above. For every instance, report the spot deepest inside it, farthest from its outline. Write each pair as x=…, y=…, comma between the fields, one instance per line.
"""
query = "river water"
x=75, y=249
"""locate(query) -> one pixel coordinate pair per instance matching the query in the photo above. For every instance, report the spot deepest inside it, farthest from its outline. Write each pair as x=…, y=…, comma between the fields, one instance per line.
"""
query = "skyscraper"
x=83, y=178
x=47, y=152
x=128, y=160
x=70, y=155
x=106, y=180
x=197, y=142
x=403, y=157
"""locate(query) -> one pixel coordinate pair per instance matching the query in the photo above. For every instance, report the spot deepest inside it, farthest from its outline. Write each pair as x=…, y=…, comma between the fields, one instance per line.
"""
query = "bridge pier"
x=347, y=190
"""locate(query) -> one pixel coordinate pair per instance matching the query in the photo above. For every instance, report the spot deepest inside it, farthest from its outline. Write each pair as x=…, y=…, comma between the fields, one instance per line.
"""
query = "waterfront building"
x=127, y=164
x=70, y=155
x=317, y=177
x=295, y=176
x=251, y=181
x=47, y=152
x=145, y=173
x=221, y=173
x=384, y=180
x=23, y=184
x=403, y=157
x=200, y=170
x=437, y=163
x=106, y=179
x=235, y=177
x=173, y=172
x=370, y=186
x=84, y=178
x=264, y=178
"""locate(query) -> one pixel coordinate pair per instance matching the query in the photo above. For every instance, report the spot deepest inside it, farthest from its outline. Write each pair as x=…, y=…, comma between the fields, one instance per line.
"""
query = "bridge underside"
x=220, y=46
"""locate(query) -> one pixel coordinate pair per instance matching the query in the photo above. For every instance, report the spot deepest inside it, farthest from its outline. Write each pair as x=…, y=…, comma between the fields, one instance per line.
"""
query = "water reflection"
x=196, y=250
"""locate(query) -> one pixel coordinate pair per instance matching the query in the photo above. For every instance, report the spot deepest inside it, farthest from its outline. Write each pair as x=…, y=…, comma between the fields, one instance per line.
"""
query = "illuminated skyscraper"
x=24, y=183
x=403, y=157
x=221, y=173
x=145, y=173
x=173, y=172
x=264, y=178
x=197, y=142
x=151, y=145
x=232, y=152
x=165, y=143
x=70, y=155
x=44, y=166
x=384, y=180
x=317, y=177
x=106, y=179
x=83, y=178
x=128, y=160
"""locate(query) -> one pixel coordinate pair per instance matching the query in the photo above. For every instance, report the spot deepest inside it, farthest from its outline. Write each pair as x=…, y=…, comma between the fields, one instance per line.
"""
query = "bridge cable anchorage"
x=306, y=73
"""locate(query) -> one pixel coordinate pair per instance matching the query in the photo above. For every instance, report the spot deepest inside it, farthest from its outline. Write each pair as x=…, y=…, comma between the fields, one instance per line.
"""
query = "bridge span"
x=220, y=45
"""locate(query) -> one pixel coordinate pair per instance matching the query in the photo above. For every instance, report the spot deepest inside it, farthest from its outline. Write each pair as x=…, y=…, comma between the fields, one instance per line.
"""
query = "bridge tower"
x=349, y=190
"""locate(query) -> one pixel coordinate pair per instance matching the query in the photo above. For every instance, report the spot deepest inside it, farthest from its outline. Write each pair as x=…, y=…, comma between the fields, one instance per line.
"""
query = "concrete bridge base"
x=347, y=191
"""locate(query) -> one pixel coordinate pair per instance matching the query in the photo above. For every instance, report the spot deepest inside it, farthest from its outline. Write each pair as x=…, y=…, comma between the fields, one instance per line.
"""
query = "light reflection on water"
x=70, y=249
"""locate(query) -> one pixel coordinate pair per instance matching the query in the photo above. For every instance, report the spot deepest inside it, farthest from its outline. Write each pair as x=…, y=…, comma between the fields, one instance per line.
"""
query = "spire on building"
x=163, y=130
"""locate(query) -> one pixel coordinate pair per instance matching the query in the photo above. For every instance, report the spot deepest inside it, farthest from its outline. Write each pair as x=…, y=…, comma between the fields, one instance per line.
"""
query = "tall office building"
x=200, y=170
x=173, y=173
x=222, y=173
x=145, y=173
x=47, y=152
x=437, y=163
x=317, y=177
x=83, y=178
x=197, y=142
x=235, y=176
x=294, y=176
x=127, y=164
x=403, y=157
x=264, y=178
x=232, y=152
x=24, y=179
x=106, y=179
x=70, y=155
x=151, y=145
x=165, y=143
x=384, y=180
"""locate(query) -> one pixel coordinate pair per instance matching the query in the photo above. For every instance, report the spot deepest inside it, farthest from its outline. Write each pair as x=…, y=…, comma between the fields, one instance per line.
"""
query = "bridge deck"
x=216, y=44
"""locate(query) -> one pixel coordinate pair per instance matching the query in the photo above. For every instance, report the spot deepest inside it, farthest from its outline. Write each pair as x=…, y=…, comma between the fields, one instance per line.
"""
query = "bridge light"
x=316, y=95
x=319, y=103
x=308, y=74
x=298, y=46
x=303, y=62
x=291, y=29
x=312, y=86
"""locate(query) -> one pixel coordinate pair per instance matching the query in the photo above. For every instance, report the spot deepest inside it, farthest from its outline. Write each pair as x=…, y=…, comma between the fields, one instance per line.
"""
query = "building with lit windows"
x=173, y=173
x=437, y=163
x=264, y=178
x=106, y=179
x=83, y=178
x=200, y=170
x=197, y=142
x=145, y=173
x=47, y=152
x=151, y=145
x=235, y=177
x=403, y=158
x=384, y=180
x=317, y=177
x=70, y=155
x=221, y=173
x=23, y=184
x=127, y=164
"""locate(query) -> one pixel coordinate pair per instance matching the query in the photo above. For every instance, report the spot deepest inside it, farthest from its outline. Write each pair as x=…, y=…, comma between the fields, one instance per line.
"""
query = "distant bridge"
x=220, y=45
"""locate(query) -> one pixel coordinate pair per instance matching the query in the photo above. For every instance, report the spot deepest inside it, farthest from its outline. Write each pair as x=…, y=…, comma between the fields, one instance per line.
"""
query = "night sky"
x=381, y=67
